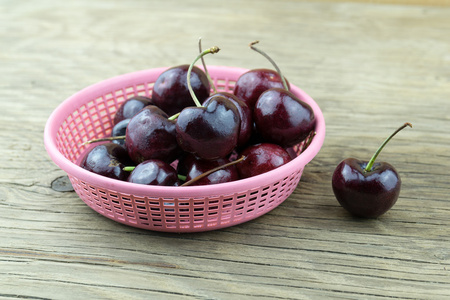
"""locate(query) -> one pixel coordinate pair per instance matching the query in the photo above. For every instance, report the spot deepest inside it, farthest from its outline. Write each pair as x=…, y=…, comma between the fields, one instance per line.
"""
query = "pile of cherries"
x=187, y=135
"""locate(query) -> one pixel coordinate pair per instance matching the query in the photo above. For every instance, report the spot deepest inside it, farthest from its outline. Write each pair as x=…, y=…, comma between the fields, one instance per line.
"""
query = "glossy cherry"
x=131, y=107
x=251, y=84
x=192, y=167
x=279, y=115
x=245, y=116
x=154, y=172
x=367, y=189
x=151, y=135
x=262, y=158
x=108, y=160
x=171, y=91
x=282, y=118
x=120, y=130
x=210, y=132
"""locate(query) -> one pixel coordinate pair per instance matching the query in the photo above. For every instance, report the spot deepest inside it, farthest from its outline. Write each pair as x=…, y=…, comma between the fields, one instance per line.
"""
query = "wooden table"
x=371, y=67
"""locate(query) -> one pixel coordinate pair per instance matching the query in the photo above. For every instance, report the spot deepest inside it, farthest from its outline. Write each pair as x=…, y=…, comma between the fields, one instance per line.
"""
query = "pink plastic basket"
x=89, y=113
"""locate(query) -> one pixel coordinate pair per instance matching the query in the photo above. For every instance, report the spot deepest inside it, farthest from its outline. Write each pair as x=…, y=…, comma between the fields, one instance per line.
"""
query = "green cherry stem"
x=212, y=171
x=211, y=82
x=372, y=160
x=252, y=46
x=112, y=138
x=171, y=118
x=211, y=50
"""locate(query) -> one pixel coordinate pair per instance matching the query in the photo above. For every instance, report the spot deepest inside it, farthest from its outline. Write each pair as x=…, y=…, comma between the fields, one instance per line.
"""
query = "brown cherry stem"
x=271, y=61
x=111, y=138
x=211, y=82
x=369, y=166
x=213, y=170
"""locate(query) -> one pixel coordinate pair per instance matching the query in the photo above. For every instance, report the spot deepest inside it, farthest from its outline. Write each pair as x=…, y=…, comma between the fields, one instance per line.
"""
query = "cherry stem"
x=271, y=61
x=171, y=118
x=212, y=171
x=211, y=82
x=111, y=138
x=369, y=166
x=211, y=50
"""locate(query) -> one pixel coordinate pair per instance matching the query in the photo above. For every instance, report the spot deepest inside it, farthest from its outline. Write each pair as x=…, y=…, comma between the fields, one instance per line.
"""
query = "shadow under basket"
x=89, y=113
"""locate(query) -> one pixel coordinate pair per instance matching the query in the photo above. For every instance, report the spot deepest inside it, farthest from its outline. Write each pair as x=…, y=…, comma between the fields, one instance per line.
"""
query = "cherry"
x=192, y=167
x=131, y=107
x=253, y=83
x=367, y=189
x=151, y=135
x=210, y=131
x=281, y=118
x=154, y=172
x=171, y=91
x=261, y=158
x=245, y=113
x=245, y=116
x=107, y=159
x=119, y=130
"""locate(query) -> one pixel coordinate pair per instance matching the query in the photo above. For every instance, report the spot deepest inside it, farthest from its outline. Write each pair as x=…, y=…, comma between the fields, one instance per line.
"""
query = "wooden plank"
x=369, y=66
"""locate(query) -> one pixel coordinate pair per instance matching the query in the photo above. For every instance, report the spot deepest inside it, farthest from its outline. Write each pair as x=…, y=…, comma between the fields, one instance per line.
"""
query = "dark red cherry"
x=367, y=189
x=150, y=135
x=107, y=159
x=192, y=166
x=131, y=107
x=281, y=118
x=120, y=129
x=210, y=132
x=245, y=115
x=253, y=83
x=367, y=194
x=154, y=172
x=262, y=158
x=171, y=92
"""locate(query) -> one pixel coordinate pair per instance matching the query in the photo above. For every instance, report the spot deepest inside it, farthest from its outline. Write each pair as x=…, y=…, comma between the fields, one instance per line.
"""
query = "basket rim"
x=59, y=115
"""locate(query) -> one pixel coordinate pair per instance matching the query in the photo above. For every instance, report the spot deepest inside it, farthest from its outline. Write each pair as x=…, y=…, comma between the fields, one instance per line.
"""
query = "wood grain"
x=370, y=66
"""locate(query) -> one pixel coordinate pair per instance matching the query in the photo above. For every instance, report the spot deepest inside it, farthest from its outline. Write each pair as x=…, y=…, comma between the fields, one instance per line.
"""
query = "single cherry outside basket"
x=88, y=114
